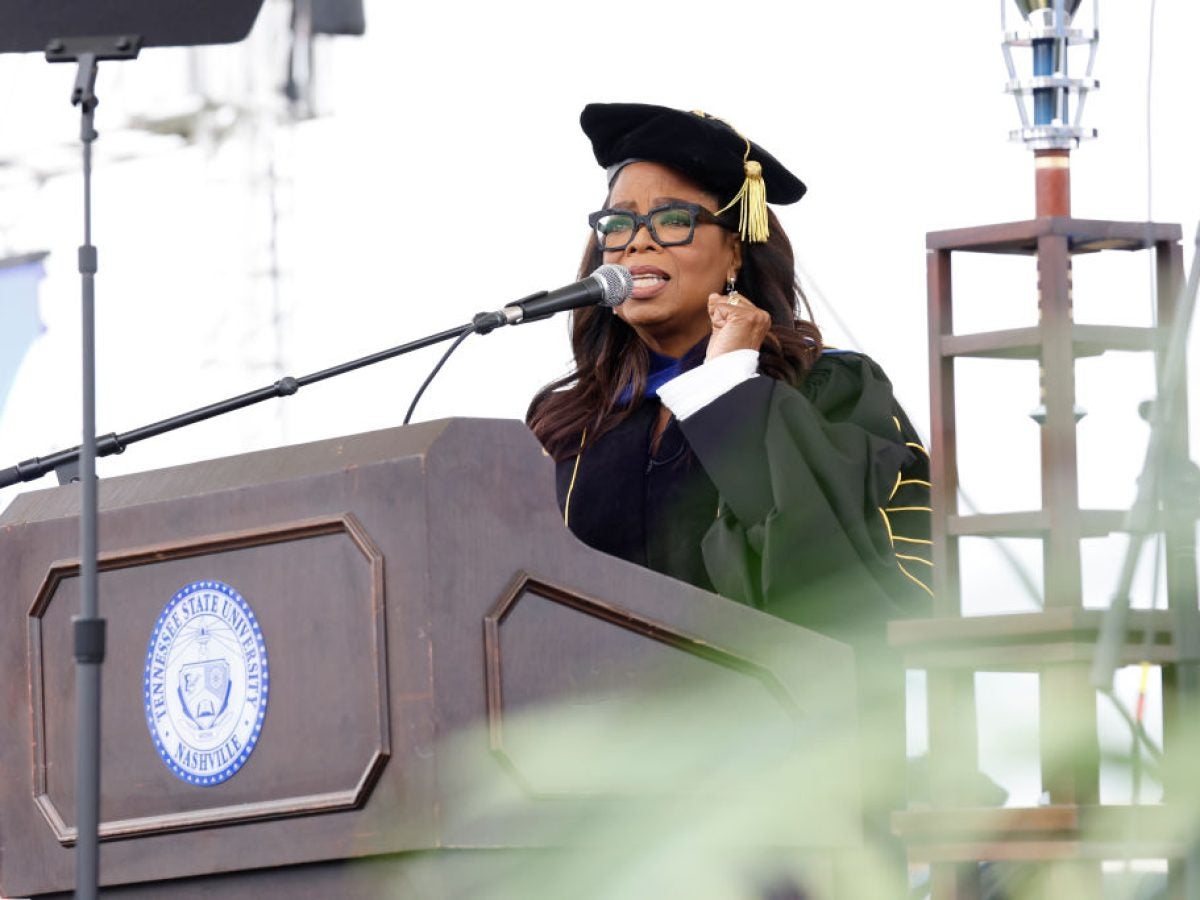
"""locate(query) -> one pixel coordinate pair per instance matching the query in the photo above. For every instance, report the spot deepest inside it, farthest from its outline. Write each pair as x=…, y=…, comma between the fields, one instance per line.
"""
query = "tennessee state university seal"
x=205, y=683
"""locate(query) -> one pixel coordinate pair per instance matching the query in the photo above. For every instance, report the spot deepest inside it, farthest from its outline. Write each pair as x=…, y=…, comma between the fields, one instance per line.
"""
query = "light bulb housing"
x=1049, y=101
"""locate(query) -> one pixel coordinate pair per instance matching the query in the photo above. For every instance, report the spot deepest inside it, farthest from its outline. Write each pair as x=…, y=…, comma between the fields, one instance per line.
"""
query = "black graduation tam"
x=702, y=147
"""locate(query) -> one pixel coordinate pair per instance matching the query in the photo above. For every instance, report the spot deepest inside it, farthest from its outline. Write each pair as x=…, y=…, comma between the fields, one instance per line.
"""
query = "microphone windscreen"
x=616, y=282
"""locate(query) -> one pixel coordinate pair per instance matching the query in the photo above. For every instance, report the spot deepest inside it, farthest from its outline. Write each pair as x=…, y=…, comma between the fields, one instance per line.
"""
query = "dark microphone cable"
x=462, y=336
x=610, y=285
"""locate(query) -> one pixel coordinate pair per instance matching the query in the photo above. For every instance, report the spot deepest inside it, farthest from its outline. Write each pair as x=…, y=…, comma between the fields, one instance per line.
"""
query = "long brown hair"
x=609, y=357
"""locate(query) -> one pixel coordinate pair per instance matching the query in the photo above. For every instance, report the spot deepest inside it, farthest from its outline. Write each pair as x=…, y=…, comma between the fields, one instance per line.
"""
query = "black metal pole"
x=108, y=444
x=89, y=628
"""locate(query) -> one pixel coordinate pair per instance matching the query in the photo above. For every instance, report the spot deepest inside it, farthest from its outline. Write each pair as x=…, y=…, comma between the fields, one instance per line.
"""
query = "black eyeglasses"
x=670, y=225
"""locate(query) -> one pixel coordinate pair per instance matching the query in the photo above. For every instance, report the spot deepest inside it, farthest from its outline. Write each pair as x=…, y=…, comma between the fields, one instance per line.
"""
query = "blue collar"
x=663, y=368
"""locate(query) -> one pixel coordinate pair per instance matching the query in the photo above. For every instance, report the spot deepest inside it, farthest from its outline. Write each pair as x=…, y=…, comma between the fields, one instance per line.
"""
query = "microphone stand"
x=89, y=635
x=87, y=33
x=106, y=445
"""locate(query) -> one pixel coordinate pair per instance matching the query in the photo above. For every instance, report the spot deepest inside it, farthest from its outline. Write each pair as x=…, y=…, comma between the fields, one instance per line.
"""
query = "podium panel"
x=308, y=647
x=331, y=558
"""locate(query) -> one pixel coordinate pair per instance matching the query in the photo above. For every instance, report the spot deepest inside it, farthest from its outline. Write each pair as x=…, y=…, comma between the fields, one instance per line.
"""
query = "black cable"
x=462, y=336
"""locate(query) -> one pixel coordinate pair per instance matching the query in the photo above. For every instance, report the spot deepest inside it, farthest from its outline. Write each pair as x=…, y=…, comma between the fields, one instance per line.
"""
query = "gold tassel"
x=752, y=217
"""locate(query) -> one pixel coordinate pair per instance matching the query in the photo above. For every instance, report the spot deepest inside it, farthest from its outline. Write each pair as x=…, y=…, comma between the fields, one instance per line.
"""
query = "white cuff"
x=692, y=391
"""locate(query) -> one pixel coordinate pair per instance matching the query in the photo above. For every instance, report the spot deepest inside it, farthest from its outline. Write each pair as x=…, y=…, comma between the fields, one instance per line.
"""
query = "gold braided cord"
x=915, y=579
x=887, y=523
x=571, y=486
x=892, y=538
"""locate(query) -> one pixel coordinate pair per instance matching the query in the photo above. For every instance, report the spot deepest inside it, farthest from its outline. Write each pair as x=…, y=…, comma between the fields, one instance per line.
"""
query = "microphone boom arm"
x=110, y=444
x=609, y=285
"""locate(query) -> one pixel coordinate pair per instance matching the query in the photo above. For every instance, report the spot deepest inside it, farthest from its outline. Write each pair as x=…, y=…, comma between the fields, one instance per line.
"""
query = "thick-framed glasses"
x=671, y=225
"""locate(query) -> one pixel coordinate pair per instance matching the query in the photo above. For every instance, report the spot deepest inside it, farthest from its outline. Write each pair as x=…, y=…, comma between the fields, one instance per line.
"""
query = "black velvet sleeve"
x=809, y=480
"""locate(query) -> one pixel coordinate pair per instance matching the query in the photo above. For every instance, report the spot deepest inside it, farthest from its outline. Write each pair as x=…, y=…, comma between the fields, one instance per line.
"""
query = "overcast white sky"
x=448, y=175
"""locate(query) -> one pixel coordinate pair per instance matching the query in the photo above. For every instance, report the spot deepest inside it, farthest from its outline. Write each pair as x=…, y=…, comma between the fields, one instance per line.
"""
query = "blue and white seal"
x=205, y=684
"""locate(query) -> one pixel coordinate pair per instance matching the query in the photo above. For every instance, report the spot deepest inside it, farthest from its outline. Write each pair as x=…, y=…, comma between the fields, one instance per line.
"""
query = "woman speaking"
x=706, y=433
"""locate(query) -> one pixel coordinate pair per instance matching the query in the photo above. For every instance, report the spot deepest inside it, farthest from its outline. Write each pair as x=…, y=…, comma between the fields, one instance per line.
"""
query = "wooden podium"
x=417, y=595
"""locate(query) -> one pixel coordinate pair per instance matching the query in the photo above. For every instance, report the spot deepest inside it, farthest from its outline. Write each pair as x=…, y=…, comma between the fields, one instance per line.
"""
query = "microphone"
x=609, y=285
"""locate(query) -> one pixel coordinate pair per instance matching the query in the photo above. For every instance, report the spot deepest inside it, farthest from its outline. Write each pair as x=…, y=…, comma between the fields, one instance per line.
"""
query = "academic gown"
x=810, y=503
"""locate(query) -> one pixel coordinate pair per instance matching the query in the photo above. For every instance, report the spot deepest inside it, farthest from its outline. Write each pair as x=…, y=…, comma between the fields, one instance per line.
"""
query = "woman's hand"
x=737, y=324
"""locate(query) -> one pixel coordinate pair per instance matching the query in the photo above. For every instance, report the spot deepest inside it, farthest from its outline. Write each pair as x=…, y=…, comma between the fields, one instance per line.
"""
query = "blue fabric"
x=19, y=322
x=663, y=368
